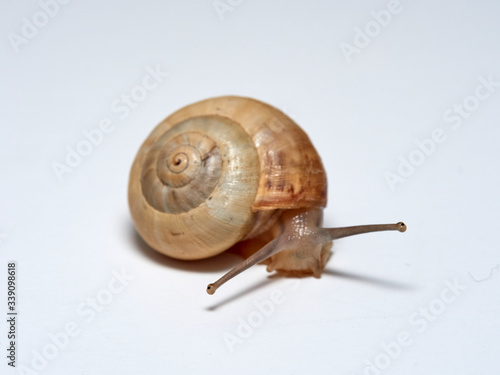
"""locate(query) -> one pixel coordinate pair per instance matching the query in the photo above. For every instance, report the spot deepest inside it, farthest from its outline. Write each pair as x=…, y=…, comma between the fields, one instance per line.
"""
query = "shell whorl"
x=181, y=170
x=197, y=184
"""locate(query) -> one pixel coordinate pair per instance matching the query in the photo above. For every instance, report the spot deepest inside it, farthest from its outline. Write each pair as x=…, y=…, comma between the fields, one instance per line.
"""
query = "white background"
x=69, y=237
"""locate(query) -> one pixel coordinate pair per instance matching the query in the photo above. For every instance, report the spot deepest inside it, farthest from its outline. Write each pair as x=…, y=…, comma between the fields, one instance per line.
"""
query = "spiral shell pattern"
x=197, y=184
x=181, y=170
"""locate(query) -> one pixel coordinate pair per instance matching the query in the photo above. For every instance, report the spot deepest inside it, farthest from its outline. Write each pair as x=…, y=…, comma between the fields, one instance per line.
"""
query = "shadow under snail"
x=235, y=173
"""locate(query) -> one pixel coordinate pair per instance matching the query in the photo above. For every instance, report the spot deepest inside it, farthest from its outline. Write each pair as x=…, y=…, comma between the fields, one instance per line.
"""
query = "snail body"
x=233, y=172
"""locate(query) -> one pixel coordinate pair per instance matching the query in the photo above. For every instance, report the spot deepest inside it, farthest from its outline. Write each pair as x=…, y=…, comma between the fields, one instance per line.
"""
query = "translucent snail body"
x=233, y=172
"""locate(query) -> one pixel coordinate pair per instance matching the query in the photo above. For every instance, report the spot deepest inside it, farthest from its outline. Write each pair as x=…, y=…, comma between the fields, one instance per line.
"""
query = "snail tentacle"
x=264, y=253
x=336, y=233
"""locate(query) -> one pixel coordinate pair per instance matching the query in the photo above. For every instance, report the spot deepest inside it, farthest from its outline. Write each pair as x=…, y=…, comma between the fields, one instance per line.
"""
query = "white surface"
x=69, y=236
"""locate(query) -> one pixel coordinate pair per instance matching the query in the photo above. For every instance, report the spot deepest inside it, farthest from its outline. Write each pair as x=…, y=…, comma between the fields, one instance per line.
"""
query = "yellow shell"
x=220, y=171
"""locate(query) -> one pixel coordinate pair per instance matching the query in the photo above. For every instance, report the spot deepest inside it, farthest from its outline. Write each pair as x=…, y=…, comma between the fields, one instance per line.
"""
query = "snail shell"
x=220, y=171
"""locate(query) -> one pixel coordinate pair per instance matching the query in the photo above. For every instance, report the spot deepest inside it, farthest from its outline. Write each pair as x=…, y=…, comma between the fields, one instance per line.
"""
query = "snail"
x=235, y=173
